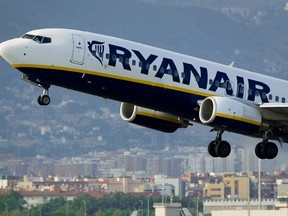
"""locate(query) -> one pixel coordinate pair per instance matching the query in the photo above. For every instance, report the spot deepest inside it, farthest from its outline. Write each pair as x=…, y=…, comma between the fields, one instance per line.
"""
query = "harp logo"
x=97, y=50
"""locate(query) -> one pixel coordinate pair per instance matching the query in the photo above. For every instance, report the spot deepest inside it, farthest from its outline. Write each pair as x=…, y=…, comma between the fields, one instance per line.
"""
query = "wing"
x=275, y=112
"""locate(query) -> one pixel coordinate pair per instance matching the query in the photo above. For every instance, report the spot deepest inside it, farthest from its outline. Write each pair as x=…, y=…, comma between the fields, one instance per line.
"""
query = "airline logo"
x=181, y=73
x=97, y=50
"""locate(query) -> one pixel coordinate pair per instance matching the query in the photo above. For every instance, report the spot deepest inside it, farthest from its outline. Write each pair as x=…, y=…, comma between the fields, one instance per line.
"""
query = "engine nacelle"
x=230, y=114
x=151, y=118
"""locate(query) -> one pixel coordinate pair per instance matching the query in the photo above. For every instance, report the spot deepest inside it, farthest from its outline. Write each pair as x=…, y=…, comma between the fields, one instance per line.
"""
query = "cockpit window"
x=28, y=36
x=37, y=38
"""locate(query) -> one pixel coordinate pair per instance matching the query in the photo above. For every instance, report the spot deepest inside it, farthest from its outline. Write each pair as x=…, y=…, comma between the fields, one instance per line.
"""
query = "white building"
x=178, y=185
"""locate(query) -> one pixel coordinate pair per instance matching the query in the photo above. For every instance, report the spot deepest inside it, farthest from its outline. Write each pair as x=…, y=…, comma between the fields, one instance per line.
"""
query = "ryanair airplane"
x=159, y=89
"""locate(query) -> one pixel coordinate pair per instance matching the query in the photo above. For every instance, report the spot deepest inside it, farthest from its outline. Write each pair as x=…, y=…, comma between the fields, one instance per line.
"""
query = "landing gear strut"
x=219, y=147
x=44, y=98
x=266, y=149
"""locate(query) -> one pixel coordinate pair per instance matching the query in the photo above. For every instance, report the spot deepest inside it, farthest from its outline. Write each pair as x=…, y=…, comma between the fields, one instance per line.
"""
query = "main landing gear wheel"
x=44, y=98
x=219, y=149
x=266, y=150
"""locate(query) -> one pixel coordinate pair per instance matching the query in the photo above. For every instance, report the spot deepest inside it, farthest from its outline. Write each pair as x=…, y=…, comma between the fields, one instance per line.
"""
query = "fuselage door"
x=78, y=52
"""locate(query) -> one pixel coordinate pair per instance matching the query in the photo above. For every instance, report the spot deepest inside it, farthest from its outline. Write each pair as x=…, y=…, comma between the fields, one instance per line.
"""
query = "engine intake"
x=151, y=118
x=230, y=114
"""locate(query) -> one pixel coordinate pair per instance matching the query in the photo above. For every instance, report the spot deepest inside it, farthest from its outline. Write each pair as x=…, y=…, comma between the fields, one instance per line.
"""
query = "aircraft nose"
x=8, y=51
x=0, y=49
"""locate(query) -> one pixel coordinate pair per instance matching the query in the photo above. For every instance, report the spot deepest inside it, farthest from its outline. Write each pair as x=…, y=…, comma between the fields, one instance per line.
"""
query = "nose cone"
x=8, y=51
x=1, y=49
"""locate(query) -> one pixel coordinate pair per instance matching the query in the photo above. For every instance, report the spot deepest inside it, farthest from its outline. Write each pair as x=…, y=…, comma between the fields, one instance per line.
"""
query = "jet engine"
x=230, y=114
x=151, y=118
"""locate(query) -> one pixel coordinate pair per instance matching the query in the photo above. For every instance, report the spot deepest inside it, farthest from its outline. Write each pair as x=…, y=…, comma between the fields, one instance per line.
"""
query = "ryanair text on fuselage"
x=169, y=68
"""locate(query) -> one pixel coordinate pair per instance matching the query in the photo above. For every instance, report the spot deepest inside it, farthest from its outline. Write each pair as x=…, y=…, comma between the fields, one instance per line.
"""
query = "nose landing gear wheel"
x=43, y=100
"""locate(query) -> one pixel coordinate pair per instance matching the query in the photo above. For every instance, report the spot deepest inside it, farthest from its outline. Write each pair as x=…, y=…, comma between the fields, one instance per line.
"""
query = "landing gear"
x=263, y=150
x=218, y=147
x=44, y=98
x=266, y=149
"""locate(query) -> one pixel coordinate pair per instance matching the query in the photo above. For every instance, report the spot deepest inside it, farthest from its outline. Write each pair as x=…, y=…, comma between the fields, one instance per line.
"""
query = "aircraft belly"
x=166, y=100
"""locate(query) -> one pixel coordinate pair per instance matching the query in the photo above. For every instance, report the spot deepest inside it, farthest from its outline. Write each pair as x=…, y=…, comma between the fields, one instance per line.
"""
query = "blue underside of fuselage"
x=171, y=101
x=175, y=102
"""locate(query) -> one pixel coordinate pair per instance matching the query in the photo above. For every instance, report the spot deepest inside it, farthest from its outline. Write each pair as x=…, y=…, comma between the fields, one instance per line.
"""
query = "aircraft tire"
x=43, y=100
x=211, y=149
x=39, y=100
x=259, y=151
x=270, y=150
x=223, y=149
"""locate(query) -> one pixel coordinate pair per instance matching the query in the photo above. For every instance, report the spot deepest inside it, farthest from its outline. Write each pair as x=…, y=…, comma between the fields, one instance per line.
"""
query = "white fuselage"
x=135, y=73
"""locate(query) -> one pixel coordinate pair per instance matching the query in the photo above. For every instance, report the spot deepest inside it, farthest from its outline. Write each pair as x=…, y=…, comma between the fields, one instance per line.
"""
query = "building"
x=214, y=190
x=237, y=204
x=75, y=169
x=178, y=184
x=231, y=186
x=236, y=186
x=167, y=209
x=125, y=185
x=280, y=212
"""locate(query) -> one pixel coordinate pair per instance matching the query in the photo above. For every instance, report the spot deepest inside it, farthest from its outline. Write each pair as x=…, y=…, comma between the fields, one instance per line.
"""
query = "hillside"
x=253, y=34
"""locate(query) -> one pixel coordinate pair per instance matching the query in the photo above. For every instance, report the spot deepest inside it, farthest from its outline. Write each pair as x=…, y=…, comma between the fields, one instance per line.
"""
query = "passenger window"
x=270, y=96
x=107, y=56
x=241, y=89
x=147, y=66
x=277, y=98
x=133, y=62
x=283, y=100
x=155, y=67
x=176, y=73
x=263, y=95
x=229, y=86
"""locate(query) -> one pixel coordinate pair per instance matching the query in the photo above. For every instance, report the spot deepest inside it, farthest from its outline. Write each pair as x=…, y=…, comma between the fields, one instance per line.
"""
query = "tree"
x=117, y=212
x=100, y=213
x=12, y=201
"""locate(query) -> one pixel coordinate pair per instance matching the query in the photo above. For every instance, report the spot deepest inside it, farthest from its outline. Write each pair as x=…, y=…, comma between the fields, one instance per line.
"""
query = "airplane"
x=157, y=88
